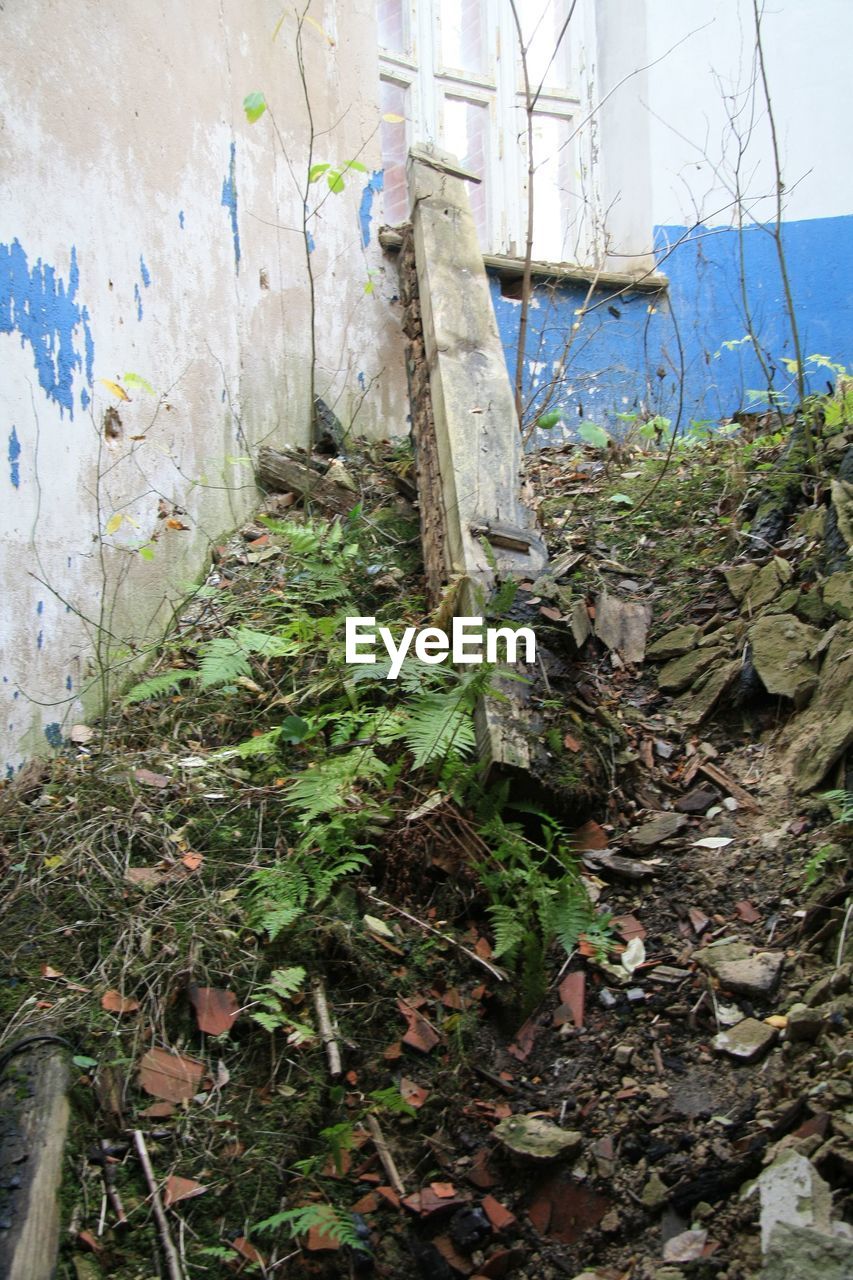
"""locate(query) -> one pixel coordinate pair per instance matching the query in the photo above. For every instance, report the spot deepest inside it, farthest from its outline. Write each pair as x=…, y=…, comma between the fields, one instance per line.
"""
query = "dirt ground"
x=675, y=1063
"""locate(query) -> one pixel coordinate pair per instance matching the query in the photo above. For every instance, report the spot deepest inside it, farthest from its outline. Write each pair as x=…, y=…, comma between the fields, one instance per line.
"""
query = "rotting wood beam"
x=475, y=528
x=509, y=268
x=34, y=1104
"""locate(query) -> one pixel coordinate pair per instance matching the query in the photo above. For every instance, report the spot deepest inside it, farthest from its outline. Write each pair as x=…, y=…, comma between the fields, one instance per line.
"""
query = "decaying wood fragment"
x=385, y=1157
x=34, y=1104
x=327, y=1031
x=475, y=529
x=744, y=799
x=282, y=472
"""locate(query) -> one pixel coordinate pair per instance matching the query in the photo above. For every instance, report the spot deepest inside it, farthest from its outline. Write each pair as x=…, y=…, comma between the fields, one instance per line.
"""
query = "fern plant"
x=324, y=1218
x=274, y=995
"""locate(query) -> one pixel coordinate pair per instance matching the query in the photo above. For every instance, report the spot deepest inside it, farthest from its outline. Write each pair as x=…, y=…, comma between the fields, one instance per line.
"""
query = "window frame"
x=502, y=88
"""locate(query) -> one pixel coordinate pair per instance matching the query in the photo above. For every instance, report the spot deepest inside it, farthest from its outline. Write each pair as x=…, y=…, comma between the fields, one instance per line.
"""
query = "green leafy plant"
x=320, y=1217
x=274, y=996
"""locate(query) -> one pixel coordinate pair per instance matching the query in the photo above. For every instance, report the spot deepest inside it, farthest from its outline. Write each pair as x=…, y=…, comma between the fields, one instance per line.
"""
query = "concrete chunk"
x=746, y=1040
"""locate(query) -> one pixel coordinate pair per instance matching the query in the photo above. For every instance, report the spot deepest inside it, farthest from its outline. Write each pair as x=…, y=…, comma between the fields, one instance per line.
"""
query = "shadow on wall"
x=627, y=352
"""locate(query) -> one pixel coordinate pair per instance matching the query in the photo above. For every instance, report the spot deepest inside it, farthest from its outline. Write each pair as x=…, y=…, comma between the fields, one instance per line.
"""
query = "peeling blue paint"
x=372, y=187
x=40, y=640
x=13, y=455
x=85, y=399
x=53, y=733
x=361, y=381
x=181, y=219
x=144, y=272
x=229, y=201
x=312, y=245
x=43, y=309
x=137, y=297
x=40, y=607
x=69, y=683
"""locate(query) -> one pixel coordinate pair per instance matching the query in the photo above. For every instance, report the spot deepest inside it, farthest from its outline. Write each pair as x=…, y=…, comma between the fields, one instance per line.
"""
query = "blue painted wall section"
x=14, y=454
x=229, y=201
x=625, y=356
x=39, y=306
x=372, y=187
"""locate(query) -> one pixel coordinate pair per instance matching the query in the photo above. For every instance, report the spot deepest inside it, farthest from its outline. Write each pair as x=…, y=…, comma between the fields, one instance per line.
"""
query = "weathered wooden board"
x=475, y=527
x=34, y=1111
x=283, y=473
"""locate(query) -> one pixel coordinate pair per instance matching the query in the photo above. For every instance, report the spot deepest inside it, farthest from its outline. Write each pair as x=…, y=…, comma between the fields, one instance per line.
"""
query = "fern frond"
x=508, y=927
x=320, y=1217
x=285, y=982
x=222, y=662
x=322, y=790
x=165, y=682
x=275, y=919
x=264, y=644
x=437, y=724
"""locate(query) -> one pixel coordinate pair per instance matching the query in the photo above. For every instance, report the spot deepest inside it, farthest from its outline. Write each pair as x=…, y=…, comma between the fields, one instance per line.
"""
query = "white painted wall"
x=665, y=69
x=116, y=129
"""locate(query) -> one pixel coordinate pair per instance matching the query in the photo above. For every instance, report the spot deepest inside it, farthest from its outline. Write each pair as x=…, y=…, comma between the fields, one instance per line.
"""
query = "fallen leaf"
x=115, y=1002
x=420, y=1035
x=216, y=1009
x=114, y=388
x=159, y=1110
x=368, y=1203
x=376, y=926
x=412, y=1093
x=747, y=912
x=553, y=615
x=170, y=1075
x=571, y=743
x=81, y=734
x=178, y=1189
x=589, y=836
x=172, y=523
x=149, y=779
x=145, y=877
x=698, y=919
x=89, y=1241
x=483, y=948
x=192, y=860
x=319, y=1241
x=48, y=971
x=393, y=1052
x=248, y=1251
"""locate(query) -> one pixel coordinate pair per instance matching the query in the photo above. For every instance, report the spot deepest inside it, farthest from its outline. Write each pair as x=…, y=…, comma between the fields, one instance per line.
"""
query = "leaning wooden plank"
x=474, y=445
x=34, y=1104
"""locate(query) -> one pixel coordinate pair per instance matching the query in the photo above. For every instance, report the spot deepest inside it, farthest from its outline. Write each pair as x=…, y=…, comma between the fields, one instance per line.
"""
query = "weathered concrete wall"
x=147, y=229
x=668, y=72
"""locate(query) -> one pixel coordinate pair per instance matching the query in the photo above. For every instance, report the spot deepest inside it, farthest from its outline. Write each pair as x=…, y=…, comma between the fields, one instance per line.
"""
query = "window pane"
x=547, y=61
x=394, y=101
x=466, y=135
x=558, y=204
x=391, y=17
x=463, y=44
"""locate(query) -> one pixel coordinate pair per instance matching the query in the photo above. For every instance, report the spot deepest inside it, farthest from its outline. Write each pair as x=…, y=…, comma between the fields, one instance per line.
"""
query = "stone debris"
x=741, y=968
x=622, y=626
x=801, y=1253
x=528, y=1135
x=804, y=1023
x=675, y=643
x=663, y=826
x=746, y=1040
x=791, y=1191
x=781, y=649
x=679, y=674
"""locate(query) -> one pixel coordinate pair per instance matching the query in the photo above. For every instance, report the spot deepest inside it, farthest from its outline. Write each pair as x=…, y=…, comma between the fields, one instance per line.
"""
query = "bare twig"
x=173, y=1261
x=385, y=1157
x=327, y=1030
x=472, y=955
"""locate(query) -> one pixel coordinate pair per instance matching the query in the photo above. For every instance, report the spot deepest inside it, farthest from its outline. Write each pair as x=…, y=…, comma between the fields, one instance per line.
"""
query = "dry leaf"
x=216, y=1009
x=191, y=860
x=159, y=1110
x=747, y=911
x=145, y=877
x=172, y=523
x=170, y=1075
x=412, y=1093
x=115, y=1002
x=178, y=1189
x=117, y=391
x=48, y=971
x=420, y=1035
x=248, y=1251
x=81, y=734
x=149, y=779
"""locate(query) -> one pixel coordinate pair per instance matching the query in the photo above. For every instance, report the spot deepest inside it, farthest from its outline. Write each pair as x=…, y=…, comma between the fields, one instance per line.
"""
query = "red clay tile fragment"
x=216, y=1010
x=628, y=927
x=115, y=1002
x=248, y=1251
x=318, y=1241
x=178, y=1189
x=747, y=912
x=572, y=992
x=498, y=1214
x=389, y=1195
x=420, y=1035
x=565, y=1210
x=412, y=1093
x=454, y=1259
x=368, y=1203
x=170, y=1075
x=149, y=779
x=479, y=1173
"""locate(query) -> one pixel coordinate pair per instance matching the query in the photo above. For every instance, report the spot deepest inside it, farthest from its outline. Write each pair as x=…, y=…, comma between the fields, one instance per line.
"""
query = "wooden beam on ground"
x=475, y=527
x=34, y=1104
